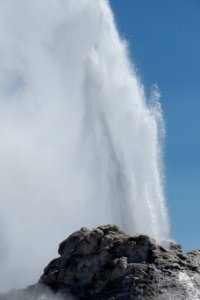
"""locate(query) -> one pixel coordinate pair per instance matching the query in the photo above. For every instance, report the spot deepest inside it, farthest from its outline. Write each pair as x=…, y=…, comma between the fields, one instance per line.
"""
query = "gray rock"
x=106, y=263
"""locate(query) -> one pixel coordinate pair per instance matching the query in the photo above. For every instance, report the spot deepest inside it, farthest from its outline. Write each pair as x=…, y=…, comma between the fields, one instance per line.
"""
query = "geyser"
x=79, y=146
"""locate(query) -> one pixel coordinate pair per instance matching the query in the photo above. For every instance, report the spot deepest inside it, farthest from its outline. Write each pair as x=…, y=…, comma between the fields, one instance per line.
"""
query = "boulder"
x=106, y=263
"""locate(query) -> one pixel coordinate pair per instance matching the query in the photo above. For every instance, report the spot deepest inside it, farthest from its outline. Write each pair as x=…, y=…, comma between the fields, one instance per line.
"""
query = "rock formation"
x=106, y=263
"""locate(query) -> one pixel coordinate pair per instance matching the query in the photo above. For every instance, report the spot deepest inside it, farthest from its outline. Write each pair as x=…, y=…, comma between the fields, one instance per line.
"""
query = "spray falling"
x=78, y=144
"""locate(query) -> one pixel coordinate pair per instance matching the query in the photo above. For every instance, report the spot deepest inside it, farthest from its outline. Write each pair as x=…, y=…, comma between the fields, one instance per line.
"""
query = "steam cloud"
x=78, y=144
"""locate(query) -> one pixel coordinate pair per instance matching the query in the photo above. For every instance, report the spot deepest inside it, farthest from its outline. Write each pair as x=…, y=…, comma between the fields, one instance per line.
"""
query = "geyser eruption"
x=79, y=144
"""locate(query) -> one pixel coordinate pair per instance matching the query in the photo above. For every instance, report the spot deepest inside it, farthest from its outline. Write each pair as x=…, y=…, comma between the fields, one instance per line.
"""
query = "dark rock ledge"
x=106, y=263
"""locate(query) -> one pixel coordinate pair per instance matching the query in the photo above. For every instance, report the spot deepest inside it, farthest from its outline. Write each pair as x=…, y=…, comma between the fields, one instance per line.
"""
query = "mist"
x=41, y=293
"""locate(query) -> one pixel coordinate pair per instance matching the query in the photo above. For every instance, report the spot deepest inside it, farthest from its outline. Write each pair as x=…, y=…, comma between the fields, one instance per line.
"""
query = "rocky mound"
x=105, y=263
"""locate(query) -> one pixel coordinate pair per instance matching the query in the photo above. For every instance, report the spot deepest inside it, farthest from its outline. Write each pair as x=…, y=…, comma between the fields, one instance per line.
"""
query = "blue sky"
x=164, y=44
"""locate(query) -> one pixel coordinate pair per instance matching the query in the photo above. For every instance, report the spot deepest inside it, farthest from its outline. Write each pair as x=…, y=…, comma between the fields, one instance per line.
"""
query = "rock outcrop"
x=106, y=263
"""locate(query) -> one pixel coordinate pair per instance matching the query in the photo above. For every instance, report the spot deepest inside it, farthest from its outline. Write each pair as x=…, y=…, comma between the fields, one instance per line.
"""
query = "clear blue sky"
x=164, y=43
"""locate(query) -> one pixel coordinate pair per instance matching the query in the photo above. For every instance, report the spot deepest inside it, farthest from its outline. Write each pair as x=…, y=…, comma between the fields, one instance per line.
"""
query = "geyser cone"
x=79, y=145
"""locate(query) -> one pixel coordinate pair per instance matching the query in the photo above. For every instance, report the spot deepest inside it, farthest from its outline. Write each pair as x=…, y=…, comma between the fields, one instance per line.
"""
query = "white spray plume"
x=79, y=145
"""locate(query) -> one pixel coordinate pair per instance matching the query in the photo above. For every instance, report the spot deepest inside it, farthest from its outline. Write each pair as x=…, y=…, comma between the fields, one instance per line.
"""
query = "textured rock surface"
x=106, y=263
